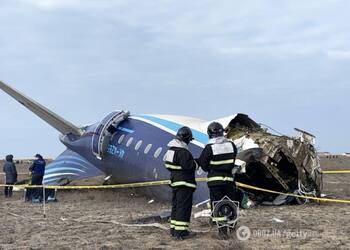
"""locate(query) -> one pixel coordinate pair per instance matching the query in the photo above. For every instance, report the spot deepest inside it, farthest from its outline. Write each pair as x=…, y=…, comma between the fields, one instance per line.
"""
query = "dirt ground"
x=91, y=219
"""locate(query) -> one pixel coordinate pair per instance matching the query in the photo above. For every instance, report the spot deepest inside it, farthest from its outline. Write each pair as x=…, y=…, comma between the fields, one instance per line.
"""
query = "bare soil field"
x=102, y=219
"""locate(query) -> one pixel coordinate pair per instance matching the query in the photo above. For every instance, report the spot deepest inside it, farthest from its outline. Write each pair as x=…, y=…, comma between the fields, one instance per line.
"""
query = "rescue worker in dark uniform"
x=218, y=159
x=179, y=161
x=37, y=170
x=10, y=175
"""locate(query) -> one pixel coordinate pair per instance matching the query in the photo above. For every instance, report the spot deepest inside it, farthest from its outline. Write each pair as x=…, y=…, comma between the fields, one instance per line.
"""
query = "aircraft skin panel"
x=69, y=166
x=127, y=164
x=192, y=122
x=122, y=161
x=224, y=121
x=200, y=138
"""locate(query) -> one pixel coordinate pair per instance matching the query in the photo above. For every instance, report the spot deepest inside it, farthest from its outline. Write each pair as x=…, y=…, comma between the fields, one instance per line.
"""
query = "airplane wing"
x=59, y=123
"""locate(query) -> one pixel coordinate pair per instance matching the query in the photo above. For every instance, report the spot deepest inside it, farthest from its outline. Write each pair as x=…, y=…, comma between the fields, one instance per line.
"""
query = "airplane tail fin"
x=59, y=123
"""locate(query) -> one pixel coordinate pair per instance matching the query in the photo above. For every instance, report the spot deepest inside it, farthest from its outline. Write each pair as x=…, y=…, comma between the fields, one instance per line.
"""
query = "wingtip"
x=3, y=84
x=41, y=111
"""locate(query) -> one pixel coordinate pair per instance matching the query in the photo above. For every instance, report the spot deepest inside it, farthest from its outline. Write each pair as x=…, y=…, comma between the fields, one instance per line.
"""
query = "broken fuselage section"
x=275, y=162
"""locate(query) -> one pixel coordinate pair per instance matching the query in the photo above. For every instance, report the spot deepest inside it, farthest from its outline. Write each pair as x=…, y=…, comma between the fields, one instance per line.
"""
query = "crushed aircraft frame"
x=276, y=162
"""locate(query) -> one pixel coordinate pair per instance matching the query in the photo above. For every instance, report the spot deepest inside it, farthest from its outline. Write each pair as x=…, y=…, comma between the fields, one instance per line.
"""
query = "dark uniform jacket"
x=179, y=161
x=218, y=159
x=10, y=172
x=38, y=167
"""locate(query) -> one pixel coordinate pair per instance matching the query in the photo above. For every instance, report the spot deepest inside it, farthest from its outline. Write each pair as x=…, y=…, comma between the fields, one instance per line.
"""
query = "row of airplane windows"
x=139, y=144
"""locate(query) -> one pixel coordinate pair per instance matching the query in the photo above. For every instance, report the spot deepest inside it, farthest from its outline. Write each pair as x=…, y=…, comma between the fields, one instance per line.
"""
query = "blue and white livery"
x=126, y=148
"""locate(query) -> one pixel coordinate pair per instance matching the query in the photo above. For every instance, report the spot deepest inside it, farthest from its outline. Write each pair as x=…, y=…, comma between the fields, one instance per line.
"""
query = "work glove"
x=239, y=167
x=236, y=169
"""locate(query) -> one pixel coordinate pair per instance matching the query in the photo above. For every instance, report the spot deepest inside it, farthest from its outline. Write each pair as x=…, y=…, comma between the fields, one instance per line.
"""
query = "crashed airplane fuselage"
x=130, y=148
x=276, y=162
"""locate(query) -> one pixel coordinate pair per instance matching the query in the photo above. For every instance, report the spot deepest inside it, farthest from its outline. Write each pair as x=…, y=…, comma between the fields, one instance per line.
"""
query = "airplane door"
x=104, y=131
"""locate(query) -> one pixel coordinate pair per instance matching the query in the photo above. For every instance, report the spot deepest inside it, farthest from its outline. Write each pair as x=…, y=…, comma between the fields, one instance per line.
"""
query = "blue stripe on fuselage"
x=136, y=165
x=125, y=130
x=199, y=136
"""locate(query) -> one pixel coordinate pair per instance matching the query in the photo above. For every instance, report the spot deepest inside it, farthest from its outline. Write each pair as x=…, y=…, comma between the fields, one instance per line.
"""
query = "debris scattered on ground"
x=277, y=220
x=203, y=213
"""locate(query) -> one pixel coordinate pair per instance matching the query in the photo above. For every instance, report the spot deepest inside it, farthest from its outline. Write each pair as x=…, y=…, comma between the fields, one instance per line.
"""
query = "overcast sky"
x=284, y=63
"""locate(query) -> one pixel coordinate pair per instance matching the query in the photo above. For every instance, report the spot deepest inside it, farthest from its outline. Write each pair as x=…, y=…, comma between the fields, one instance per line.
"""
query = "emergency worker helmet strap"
x=215, y=129
x=184, y=134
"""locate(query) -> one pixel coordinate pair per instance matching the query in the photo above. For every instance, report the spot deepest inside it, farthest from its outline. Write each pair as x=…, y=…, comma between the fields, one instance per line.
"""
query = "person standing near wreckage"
x=179, y=161
x=218, y=159
x=10, y=175
x=37, y=170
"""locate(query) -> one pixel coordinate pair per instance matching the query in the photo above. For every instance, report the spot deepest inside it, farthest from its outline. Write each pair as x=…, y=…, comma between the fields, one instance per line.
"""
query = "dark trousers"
x=181, y=210
x=35, y=193
x=219, y=192
x=8, y=190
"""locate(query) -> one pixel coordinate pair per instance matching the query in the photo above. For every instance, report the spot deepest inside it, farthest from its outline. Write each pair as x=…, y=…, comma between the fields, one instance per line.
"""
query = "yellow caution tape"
x=116, y=186
x=167, y=182
x=336, y=172
x=294, y=195
x=344, y=171
x=239, y=184
x=17, y=173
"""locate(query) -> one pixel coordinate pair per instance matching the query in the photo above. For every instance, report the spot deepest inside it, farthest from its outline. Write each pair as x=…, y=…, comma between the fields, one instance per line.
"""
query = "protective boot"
x=172, y=232
x=223, y=233
x=185, y=235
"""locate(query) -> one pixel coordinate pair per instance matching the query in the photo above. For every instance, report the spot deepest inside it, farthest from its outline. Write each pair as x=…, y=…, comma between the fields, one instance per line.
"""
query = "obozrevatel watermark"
x=244, y=233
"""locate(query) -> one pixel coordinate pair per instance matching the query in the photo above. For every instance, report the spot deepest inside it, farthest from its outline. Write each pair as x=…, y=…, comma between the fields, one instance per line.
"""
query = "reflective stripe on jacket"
x=218, y=159
x=179, y=161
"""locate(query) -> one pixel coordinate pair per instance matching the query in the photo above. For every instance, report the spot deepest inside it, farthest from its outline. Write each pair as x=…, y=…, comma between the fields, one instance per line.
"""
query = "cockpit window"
x=112, y=129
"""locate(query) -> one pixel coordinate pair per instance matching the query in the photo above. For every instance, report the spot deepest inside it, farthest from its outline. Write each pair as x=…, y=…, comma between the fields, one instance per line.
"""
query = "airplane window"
x=138, y=145
x=158, y=152
x=129, y=142
x=148, y=148
x=121, y=138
